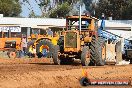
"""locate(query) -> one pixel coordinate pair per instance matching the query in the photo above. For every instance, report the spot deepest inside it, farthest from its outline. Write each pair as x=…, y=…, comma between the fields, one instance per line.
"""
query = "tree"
x=127, y=11
x=61, y=11
x=51, y=9
x=89, y=5
x=10, y=7
x=32, y=14
x=44, y=5
x=114, y=8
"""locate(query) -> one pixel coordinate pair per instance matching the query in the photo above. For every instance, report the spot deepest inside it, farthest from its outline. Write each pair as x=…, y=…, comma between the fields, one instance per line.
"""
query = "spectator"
x=24, y=44
x=32, y=52
x=49, y=32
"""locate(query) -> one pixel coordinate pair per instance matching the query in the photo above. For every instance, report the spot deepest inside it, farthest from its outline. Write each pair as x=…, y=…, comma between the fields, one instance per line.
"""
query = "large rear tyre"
x=44, y=48
x=97, y=52
x=12, y=53
x=85, y=56
x=56, y=57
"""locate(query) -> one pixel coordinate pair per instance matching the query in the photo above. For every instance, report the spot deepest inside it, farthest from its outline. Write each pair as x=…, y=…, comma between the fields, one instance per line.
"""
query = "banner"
x=12, y=28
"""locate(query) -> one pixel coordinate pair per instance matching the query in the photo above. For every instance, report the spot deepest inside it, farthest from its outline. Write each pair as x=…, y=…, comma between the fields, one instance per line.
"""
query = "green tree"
x=114, y=8
x=89, y=5
x=127, y=11
x=69, y=1
x=44, y=5
x=61, y=11
x=58, y=8
x=10, y=7
x=32, y=14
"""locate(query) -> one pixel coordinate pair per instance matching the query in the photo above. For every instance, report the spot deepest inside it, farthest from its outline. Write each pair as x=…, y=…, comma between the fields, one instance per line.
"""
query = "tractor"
x=10, y=41
x=44, y=44
x=80, y=42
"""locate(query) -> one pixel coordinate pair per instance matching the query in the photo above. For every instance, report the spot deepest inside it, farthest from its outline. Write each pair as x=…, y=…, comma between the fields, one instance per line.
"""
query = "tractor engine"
x=70, y=41
x=10, y=44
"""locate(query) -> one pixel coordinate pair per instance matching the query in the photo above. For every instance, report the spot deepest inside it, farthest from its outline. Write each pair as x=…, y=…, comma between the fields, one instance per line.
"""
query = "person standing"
x=24, y=44
x=49, y=32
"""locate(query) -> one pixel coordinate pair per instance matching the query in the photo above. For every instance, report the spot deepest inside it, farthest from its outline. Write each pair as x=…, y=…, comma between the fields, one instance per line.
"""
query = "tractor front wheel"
x=85, y=56
x=12, y=53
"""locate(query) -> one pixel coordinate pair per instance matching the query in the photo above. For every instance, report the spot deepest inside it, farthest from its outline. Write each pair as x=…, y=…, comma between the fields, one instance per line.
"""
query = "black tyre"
x=85, y=56
x=84, y=81
x=12, y=53
x=92, y=51
x=45, y=45
x=96, y=52
x=56, y=57
x=29, y=45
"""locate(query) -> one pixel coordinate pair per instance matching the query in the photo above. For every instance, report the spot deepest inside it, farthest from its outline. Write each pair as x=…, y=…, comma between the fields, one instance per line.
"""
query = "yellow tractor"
x=83, y=44
x=44, y=44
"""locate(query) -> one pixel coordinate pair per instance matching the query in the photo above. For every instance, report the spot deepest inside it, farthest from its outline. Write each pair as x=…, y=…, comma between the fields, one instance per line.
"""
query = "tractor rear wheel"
x=97, y=51
x=85, y=56
x=56, y=57
x=44, y=48
x=12, y=53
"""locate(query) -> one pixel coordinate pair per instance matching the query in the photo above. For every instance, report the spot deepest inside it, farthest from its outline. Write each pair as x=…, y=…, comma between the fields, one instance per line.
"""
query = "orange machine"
x=10, y=42
x=81, y=43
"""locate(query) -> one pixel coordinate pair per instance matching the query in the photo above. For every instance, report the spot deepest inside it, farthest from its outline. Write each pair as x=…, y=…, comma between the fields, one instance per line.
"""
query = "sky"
x=26, y=11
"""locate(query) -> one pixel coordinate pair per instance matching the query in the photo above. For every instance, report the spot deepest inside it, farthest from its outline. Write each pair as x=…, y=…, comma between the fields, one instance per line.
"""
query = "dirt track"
x=41, y=73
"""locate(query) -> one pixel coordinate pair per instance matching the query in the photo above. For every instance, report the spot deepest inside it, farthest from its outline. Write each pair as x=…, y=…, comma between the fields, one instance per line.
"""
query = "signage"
x=12, y=28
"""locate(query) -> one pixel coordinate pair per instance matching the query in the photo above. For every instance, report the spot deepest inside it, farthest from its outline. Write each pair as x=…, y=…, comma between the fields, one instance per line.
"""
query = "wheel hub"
x=12, y=54
x=44, y=49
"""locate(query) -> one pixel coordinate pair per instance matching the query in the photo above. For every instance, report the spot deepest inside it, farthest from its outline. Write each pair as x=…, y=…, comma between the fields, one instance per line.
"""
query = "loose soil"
x=42, y=73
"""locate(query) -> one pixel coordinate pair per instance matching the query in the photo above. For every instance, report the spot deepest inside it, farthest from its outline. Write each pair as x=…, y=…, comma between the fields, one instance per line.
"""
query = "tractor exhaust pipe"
x=80, y=18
